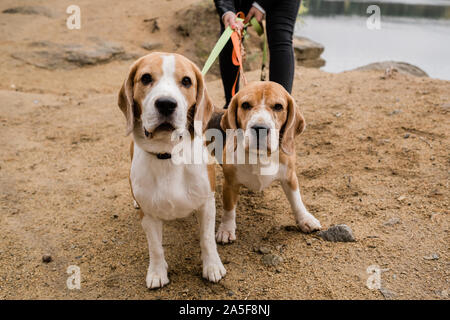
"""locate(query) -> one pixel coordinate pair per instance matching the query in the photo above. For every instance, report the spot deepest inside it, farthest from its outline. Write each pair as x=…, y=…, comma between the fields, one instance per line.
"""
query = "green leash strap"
x=226, y=35
x=256, y=26
x=260, y=31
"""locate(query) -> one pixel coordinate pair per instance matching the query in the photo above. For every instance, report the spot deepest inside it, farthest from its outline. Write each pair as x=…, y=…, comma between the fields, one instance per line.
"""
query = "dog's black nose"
x=166, y=105
x=261, y=131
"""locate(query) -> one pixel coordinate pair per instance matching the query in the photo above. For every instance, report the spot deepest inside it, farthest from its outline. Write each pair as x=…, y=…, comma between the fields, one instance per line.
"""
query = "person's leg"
x=228, y=70
x=280, y=23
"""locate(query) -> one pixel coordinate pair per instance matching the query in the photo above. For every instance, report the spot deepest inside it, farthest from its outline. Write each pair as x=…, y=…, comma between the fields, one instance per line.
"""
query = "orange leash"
x=236, y=38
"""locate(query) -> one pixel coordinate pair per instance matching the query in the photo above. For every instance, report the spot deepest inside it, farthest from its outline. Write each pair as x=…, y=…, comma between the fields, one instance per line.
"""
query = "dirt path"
x=374, y=156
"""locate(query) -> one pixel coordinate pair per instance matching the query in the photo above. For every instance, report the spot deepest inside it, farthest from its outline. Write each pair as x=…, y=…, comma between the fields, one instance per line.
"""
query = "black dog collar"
x=163, y=156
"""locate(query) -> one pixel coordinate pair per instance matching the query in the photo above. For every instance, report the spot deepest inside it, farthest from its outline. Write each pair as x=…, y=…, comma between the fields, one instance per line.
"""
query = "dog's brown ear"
x=229, y=119
x=294, y=125
x=126, y=100
x=203, y=105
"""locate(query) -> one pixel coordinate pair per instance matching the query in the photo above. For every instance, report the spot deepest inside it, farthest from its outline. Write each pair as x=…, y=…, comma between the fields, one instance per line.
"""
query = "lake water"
x=413, y=31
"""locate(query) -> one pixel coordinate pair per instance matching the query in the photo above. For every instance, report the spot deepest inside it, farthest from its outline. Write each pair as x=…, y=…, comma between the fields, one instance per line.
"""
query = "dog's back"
x=214, y=123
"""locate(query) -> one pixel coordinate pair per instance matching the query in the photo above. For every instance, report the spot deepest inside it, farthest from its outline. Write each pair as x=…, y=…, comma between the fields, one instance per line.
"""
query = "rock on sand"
x=338, y=233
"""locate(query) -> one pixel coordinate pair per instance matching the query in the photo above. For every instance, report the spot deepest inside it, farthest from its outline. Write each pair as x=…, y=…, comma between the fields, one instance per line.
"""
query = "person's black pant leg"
x=228, y=70
x=280, y=24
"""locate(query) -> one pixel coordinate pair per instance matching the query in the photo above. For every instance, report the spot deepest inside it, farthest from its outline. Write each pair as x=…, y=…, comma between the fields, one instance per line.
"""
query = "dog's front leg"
x=213, y=269
x=305, y=220
x=157, y=269
x=227, y=228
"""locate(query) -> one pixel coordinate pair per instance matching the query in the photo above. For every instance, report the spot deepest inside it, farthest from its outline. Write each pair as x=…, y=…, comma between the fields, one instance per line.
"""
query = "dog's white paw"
x=135, y=204
x=156, y=279
x=214, y=271
x=225, y=234
x=308, y=223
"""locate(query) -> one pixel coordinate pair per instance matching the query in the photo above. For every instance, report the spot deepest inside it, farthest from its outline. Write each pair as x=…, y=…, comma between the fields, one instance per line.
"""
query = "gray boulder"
x=307, y=53
x=306, y=49
x=311, y=63
x=32, y=10
x=401, y=67
x=49, y=55
x=97, y=54
x=150, y=46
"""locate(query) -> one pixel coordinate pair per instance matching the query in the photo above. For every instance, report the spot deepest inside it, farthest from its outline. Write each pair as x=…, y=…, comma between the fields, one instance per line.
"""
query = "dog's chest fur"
x=166, y=190
x=251, y=177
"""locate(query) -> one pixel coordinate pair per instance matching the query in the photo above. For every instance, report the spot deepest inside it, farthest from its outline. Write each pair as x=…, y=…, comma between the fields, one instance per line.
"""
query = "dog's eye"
x=186, y=82
x=278, y=107
x=246, y=106
x=146, y=78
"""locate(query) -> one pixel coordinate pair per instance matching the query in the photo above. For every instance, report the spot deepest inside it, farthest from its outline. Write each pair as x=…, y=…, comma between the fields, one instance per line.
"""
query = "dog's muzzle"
x=166, y=105
x=261, y=134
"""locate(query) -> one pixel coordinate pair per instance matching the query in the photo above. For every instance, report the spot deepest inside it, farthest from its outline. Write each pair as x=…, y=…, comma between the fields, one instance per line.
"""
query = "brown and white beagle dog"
x=163, y=93
x=271, y=120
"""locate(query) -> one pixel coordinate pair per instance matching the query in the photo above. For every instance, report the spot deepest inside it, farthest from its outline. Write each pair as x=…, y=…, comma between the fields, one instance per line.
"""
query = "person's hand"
x=229, y=19
x=254, y=12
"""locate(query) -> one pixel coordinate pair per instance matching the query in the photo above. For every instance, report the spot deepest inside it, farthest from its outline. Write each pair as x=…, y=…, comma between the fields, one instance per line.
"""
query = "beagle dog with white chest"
x=270, y=120
x=162, y=94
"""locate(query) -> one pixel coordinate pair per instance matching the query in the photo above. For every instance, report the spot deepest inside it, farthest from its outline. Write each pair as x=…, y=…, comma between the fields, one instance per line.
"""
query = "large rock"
x=150, y=46
x=49, y=55
x=307, y=53
x=100, y=53
x=42, y=59
x=311, y=63
x=401, y=67
x=306, y=49
x=34, y=10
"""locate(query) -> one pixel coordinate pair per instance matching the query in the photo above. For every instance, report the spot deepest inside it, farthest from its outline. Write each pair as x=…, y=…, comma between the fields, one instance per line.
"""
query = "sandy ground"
x=374, y=150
